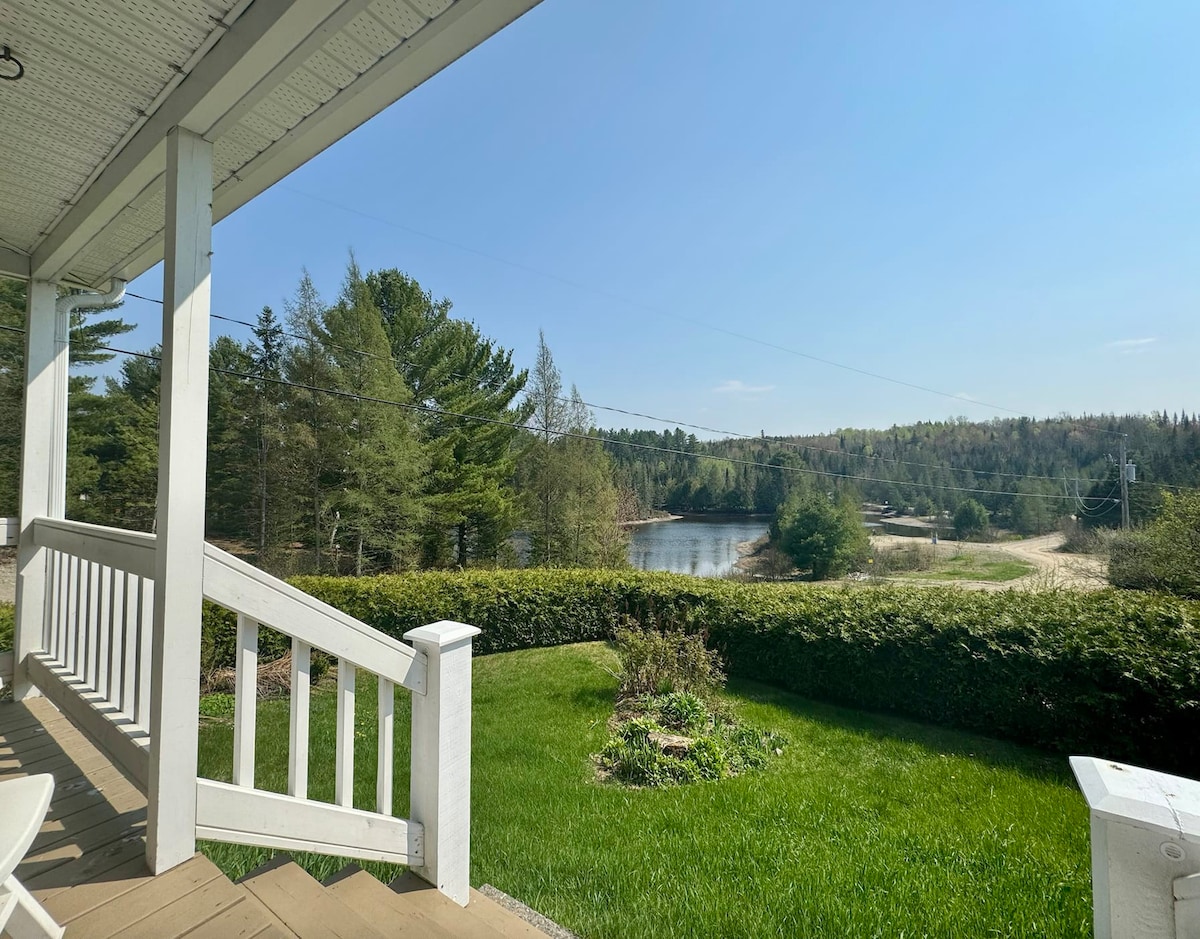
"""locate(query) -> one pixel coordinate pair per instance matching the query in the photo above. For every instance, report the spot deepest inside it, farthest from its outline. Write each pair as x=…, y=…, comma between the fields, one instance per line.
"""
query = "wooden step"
x=480, y=919
x=503, y=920
x=249, y=918
x=358, y=889
x=169, y=905
x=305, y=907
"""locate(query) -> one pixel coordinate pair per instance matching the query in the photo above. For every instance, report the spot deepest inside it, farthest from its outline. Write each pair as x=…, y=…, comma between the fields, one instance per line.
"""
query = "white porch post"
x=440, y=781
x=43, y=464
x=179, y=564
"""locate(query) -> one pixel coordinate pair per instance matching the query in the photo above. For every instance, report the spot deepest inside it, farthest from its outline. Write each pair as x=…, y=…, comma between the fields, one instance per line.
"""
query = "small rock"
x=670, y=744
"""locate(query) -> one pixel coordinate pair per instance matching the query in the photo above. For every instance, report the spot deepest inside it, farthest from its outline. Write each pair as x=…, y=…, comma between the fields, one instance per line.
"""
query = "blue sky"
x=1000, y=201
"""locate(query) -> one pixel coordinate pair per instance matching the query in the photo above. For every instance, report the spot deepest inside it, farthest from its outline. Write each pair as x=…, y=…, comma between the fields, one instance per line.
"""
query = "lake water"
x=703, y=545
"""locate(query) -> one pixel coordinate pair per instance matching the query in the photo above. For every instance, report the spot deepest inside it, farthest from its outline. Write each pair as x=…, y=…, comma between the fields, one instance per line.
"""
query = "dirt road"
x=1052, y=568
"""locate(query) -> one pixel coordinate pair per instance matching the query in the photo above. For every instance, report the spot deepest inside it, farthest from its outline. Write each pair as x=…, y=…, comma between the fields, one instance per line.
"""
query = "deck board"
x=87, y=865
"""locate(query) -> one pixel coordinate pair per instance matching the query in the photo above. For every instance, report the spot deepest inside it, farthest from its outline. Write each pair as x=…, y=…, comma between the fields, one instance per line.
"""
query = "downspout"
x=63, y=308
x=91, y=301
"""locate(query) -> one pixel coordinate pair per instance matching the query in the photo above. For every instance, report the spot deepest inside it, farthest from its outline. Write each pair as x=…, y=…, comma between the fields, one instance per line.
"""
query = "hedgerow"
x=1108, y=673
x=8, y=615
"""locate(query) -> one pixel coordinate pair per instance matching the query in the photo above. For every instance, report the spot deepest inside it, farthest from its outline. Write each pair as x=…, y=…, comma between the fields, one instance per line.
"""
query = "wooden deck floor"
x=88, y=865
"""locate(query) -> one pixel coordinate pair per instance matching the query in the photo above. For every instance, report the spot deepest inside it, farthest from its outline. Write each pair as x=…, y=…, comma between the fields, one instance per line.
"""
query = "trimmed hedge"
x=8, y=619
x=1108, y=673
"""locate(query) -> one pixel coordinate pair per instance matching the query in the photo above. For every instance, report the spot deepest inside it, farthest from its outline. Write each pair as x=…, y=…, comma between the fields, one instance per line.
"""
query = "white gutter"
x=92, y=301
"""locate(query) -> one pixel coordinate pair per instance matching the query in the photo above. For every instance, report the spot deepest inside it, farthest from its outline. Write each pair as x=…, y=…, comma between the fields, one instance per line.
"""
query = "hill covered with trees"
x=1026, y=472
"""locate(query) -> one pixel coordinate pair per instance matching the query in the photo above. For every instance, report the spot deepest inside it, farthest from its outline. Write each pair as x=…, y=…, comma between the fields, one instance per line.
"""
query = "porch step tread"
x=475, y=921
x=305, y=906
x=247, y=918
x=165, y=906
x=356, y=888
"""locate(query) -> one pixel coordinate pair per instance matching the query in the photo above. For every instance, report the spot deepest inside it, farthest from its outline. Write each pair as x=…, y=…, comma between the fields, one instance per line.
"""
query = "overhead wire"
x=658, y=311
x=616, y=442
x=846, y=454
x=576, y=435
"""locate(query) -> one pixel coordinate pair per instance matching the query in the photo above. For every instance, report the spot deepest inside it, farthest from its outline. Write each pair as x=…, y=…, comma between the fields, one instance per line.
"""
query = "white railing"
x=95, y=663
x=95, y=653
x=435, y=840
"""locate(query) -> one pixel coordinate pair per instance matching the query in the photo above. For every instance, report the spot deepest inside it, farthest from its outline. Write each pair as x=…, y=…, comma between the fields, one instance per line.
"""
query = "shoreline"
x=750, y=553
x=651, y=521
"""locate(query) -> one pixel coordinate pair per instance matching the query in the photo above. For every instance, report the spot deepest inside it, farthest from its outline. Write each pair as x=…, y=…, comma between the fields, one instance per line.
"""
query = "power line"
x=664, y=420
x=444, y=412
x=658, y=311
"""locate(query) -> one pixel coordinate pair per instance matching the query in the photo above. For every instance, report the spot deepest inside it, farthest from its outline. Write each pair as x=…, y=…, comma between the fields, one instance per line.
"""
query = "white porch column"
x=440, y=780
x=179, y=563
x=43, y=463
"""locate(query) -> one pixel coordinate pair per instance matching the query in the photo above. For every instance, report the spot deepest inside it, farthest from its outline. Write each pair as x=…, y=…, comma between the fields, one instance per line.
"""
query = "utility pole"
x=1124, y=471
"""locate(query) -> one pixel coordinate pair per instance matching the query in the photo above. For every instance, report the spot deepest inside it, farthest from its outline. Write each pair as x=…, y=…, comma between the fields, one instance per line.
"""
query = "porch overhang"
x=270, y=83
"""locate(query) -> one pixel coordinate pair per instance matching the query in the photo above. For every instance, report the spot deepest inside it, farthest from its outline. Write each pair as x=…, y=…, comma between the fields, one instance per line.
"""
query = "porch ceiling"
x=270, y=82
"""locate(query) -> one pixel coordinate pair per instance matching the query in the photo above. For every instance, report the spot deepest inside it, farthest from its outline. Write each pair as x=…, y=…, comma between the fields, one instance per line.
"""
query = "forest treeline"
x=376, y=431
x=1024, y=471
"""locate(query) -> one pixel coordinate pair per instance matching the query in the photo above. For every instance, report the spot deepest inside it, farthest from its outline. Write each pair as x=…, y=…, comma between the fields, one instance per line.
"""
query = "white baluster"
x=72, y=612
x=87, y=627
x=344, y=758
x=102, y=629
x=58, y=597
x=245, y=701
x=116, y=630
x=298, y=730
x=383, y=779
x=145, y=646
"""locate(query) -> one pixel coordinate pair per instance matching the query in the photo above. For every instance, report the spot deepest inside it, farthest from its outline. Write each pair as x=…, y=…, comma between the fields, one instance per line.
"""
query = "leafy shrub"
x=1164, y=555
x=1113, y=673
x=634, y=757
x=220, y=704
x=917, y=556
x=682, y=711
x=1082, y=539
x=708, y=757
x=8, y=619
x=660, y=663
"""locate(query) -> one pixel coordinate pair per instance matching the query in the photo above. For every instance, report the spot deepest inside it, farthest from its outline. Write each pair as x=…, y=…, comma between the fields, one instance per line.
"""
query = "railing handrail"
x=276, y=604
x=125, y=550
x=243, y=588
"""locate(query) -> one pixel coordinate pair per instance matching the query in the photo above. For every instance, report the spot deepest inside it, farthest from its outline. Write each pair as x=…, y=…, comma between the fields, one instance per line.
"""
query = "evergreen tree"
x=311, y=418
x=571, y=499
x=267, y=352
x=822, y=532
x=375, y=492
x=448, y=365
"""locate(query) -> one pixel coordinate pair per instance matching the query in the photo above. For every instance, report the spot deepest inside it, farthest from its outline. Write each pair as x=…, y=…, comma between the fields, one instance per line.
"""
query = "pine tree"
x=311, y=418
x=375, y=497
x=267, y=353
x=448, y=365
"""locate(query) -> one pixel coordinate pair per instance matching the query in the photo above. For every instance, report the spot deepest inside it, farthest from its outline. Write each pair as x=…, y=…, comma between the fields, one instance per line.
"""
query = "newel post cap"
x=1144, y=798
x=442, y=633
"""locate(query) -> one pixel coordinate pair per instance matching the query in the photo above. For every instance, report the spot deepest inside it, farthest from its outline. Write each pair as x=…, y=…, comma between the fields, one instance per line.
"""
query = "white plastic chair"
x=23, y=806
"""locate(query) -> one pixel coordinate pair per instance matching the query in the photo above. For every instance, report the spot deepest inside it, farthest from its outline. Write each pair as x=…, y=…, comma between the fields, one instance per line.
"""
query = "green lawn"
x=866, y=826
x=992, y=567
